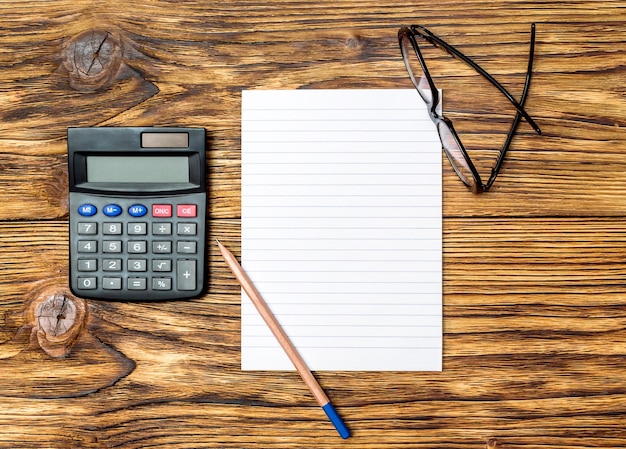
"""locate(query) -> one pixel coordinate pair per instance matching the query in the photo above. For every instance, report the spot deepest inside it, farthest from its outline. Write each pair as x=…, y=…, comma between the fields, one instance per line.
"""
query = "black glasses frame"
x=410, y=33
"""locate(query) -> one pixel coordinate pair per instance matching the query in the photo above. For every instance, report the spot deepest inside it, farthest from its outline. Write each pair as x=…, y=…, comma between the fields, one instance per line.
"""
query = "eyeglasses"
x=423, y=81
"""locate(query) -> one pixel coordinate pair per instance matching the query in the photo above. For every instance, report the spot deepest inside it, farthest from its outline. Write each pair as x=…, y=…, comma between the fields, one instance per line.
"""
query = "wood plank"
x=533, y=335
x=195, y=79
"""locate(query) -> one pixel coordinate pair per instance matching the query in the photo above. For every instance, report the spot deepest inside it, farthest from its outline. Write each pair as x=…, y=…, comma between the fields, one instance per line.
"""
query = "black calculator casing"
x=137, y=239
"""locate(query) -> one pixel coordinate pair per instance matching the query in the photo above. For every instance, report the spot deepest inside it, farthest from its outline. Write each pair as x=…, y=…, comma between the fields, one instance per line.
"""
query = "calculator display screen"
x=137, y=169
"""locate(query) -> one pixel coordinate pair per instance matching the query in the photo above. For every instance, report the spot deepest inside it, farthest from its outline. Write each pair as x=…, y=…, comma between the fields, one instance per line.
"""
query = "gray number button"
x=87, y=246
x=87, y=264
x=137, y=247
x=112, y=265
x=87, y=283
x=137, y=228
x=112, y=228
x=112, y=246
x=88, y=228
x=137, y=265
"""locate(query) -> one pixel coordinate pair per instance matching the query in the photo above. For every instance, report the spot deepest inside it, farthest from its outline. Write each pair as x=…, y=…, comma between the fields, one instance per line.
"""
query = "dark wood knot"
x=355, y=41
x=93, y=59
x=493, y=443
x=56, y=315
x=57, y=319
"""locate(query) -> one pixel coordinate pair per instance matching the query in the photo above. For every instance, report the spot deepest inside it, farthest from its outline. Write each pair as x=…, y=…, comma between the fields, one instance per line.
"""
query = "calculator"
x=137, y=212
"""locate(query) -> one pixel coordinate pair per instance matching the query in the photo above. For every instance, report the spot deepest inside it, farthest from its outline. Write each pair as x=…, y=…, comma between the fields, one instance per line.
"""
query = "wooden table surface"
x=534, y=270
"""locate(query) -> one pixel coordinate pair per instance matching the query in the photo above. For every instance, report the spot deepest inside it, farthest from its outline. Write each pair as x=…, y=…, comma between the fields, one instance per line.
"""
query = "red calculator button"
x=162, y=210
x=186, y=210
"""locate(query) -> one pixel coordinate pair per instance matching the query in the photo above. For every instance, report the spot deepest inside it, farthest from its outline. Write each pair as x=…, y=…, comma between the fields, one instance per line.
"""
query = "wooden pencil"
x=283, y=340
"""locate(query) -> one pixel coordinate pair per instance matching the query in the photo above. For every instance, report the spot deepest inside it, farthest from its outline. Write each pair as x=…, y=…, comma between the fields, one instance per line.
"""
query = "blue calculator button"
x=137, y=210
x=112, y=210
x=87, y=210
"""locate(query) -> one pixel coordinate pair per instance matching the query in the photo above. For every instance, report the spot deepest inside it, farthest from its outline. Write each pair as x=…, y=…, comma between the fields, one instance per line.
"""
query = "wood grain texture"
x=534, y=317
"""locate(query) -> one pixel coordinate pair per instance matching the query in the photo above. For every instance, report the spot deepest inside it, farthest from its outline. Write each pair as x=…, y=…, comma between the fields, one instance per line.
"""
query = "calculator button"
x=87, y=210
x=112, y=228
x=137, y=265
x=186, y=274
x=161, y=283
x=137, y=228
x=137, y=210
x=112, y=246
x=162, y=210
x=112, y=283
x=137, y=247
x=186, y=248
x=186, y=210
x=111, y=210
x=162, y=228
x=162, y=265
x=164, y=247
x=87, y=264
x=187, y=229
x=137, y=283
x=112, y=265
x=87, y=283
x=88, y=228
x=87, y=246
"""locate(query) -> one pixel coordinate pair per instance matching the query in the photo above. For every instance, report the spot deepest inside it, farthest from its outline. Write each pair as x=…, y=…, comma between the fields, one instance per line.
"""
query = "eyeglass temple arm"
x=429, y=36
x=518, y=115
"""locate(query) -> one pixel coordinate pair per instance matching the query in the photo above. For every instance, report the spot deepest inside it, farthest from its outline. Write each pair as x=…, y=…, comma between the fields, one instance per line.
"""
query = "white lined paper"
x=341, y=229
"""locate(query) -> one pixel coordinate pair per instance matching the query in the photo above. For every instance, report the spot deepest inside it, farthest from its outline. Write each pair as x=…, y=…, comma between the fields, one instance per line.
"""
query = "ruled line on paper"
x=341, y=228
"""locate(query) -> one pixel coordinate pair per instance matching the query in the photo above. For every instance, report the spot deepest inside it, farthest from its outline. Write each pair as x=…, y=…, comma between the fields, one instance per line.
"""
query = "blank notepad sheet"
x=341, y=229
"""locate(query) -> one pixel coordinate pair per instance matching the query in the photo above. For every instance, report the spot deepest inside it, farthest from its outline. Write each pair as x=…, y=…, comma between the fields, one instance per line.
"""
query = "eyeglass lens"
x=415, y=71
x=455, y=154
x=449, y=140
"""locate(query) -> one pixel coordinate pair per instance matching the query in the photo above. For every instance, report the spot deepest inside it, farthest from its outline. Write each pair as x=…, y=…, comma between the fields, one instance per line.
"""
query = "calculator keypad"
x=130, y=248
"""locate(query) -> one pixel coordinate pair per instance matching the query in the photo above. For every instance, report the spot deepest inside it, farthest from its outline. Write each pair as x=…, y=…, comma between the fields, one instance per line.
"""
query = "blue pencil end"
x=334, y=417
